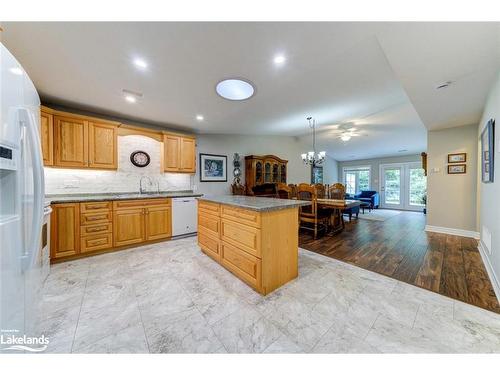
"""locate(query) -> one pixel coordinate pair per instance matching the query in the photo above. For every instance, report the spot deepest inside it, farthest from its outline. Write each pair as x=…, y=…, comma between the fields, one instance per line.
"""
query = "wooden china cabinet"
x=264, y=169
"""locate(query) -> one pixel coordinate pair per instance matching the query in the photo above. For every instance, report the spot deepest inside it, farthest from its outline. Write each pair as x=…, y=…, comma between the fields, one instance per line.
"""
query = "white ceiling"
x=380, y=76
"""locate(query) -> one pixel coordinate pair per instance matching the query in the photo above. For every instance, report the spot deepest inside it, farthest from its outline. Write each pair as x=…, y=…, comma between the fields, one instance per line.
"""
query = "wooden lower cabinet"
x=260, y=248
x=65, y=230
x=80, y=229
x=128, y=226
x=158, y=223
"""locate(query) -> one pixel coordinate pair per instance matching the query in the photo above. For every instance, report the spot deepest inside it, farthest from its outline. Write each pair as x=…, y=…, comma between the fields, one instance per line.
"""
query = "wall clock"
x=140, y=158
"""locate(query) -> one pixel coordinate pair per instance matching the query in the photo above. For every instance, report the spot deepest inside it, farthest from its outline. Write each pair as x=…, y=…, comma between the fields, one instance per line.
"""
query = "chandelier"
x=313, y=158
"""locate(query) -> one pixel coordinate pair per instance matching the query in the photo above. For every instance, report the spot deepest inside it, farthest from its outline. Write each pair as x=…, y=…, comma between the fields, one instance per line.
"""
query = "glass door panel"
x=417, y=188
x=392, y=196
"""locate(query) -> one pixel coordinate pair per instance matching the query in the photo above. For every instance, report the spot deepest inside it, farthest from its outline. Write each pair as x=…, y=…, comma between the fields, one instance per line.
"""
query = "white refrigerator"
x=21, y=203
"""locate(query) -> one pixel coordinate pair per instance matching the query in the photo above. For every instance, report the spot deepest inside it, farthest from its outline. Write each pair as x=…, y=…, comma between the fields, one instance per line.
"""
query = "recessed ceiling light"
x=140, y=63
x=16, y=71
x=235, y=89
x=279, y=59
x=200, y=117
x=130, y=98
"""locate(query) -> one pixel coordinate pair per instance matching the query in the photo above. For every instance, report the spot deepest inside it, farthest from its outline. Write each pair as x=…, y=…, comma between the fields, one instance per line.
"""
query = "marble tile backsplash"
x=125, y=179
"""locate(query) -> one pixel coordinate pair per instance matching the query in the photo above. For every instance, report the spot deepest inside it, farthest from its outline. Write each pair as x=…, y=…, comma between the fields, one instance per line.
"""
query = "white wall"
x=125, y=179
x=489, y=212
x=288, y=148
x=375, y=164
x=330, y=171
x=451, y=198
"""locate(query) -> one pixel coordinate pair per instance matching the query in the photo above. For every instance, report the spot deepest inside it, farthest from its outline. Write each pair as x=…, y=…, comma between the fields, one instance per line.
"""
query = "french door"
x=402, y=186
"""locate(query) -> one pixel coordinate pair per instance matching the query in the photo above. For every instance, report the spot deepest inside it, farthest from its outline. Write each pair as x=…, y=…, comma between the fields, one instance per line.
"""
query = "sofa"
x=369, y=196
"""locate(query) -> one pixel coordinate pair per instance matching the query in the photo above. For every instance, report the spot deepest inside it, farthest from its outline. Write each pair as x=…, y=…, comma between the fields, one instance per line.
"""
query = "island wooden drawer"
x=209, y=207
x=91, y=206
x=241, y=216
x=95, y=217
x=243, y=265
x=242, y=236
x=86, y=230
x=209, y=223
x=98, y=242
x=134, y=203
x=210, y=245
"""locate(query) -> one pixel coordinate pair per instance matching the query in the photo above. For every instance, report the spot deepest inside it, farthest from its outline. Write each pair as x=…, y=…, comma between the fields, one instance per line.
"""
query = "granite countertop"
x=87, y=197
x=255, y=203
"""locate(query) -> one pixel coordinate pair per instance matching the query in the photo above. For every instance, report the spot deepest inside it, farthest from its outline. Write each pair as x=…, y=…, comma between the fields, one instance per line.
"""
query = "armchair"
x=369, y=196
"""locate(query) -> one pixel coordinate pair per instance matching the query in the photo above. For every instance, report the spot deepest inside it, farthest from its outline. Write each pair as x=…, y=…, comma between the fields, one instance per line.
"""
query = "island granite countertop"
x=93, y=197
x=255, y=203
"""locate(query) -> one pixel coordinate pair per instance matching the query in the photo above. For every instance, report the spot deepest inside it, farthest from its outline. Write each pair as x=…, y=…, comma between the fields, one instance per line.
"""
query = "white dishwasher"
x=184, y=212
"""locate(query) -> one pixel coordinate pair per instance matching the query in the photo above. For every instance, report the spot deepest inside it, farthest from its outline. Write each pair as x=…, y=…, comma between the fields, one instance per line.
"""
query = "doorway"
x=403, y=186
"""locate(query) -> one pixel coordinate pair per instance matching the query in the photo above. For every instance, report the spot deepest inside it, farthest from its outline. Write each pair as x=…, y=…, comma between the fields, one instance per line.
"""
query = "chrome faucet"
x=141, y=190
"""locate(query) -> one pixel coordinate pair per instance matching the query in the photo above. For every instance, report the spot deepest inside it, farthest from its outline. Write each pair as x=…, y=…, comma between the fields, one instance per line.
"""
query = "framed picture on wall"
x=488, y=152
x=316, y=174
x=457, y=169
x=457, y=158
x=213, y=168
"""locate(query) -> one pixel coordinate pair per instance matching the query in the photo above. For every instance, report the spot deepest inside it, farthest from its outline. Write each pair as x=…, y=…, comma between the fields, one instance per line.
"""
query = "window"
x=356, y=179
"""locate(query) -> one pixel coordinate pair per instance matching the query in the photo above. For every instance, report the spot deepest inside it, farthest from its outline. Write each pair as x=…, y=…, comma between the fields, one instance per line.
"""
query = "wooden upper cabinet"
x=179, y=154
x=102, y=142
x=188, y=155
x=47, y=137
x=172, y=145
x=71, y=142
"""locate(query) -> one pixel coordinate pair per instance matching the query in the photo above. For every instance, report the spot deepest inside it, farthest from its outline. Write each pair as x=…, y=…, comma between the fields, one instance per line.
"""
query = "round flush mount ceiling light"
x=200, y=117
x=235, y=89
x=140, y=63
x=279, y=59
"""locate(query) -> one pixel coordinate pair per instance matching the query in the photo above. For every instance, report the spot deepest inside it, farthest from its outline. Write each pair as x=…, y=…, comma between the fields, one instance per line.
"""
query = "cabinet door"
x=128, y=226
x=102, y=146
x=65, y=230
x=47, y=137
x=172, y=145
x=158, y=223
x=188, y=155
x=71, y=142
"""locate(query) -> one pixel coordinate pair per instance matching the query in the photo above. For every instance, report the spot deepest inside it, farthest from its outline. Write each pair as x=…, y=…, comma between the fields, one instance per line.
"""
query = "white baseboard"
x=456, y=232
x=491, y=273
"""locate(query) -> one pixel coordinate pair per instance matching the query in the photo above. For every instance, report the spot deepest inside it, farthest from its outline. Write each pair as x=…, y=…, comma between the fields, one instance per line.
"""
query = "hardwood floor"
x=400, y=248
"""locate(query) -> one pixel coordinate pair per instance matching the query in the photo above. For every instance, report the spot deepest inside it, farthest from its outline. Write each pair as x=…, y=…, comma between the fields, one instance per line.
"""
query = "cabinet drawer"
x=95, y=217
x=96, y=229
x=91, y=206
x=209, y=207
x=244, y=265
x=209, y=223
x=242, y=236
x=210, y=245
x=134, y=203
x=97, y=242
x=241, y=216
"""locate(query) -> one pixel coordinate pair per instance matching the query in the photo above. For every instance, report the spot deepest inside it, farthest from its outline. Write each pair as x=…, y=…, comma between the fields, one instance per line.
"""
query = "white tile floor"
x=171, y=298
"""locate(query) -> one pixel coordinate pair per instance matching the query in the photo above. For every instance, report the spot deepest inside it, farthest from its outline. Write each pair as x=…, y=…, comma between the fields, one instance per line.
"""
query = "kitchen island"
x=254, y=238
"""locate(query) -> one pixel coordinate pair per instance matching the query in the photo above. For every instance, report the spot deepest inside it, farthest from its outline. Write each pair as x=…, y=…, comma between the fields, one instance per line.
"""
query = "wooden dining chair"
x=294, y=190
x=320, y=190
x=238, y=189
x=336, y=191
x=310, y=214
x=284, y=191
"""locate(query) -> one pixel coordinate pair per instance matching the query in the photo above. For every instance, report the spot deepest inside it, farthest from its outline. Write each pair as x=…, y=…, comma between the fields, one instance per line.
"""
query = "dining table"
x=338, y=205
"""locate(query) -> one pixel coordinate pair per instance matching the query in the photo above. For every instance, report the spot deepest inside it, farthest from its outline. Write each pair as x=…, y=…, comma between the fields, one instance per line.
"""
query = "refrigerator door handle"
x=38, y=186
